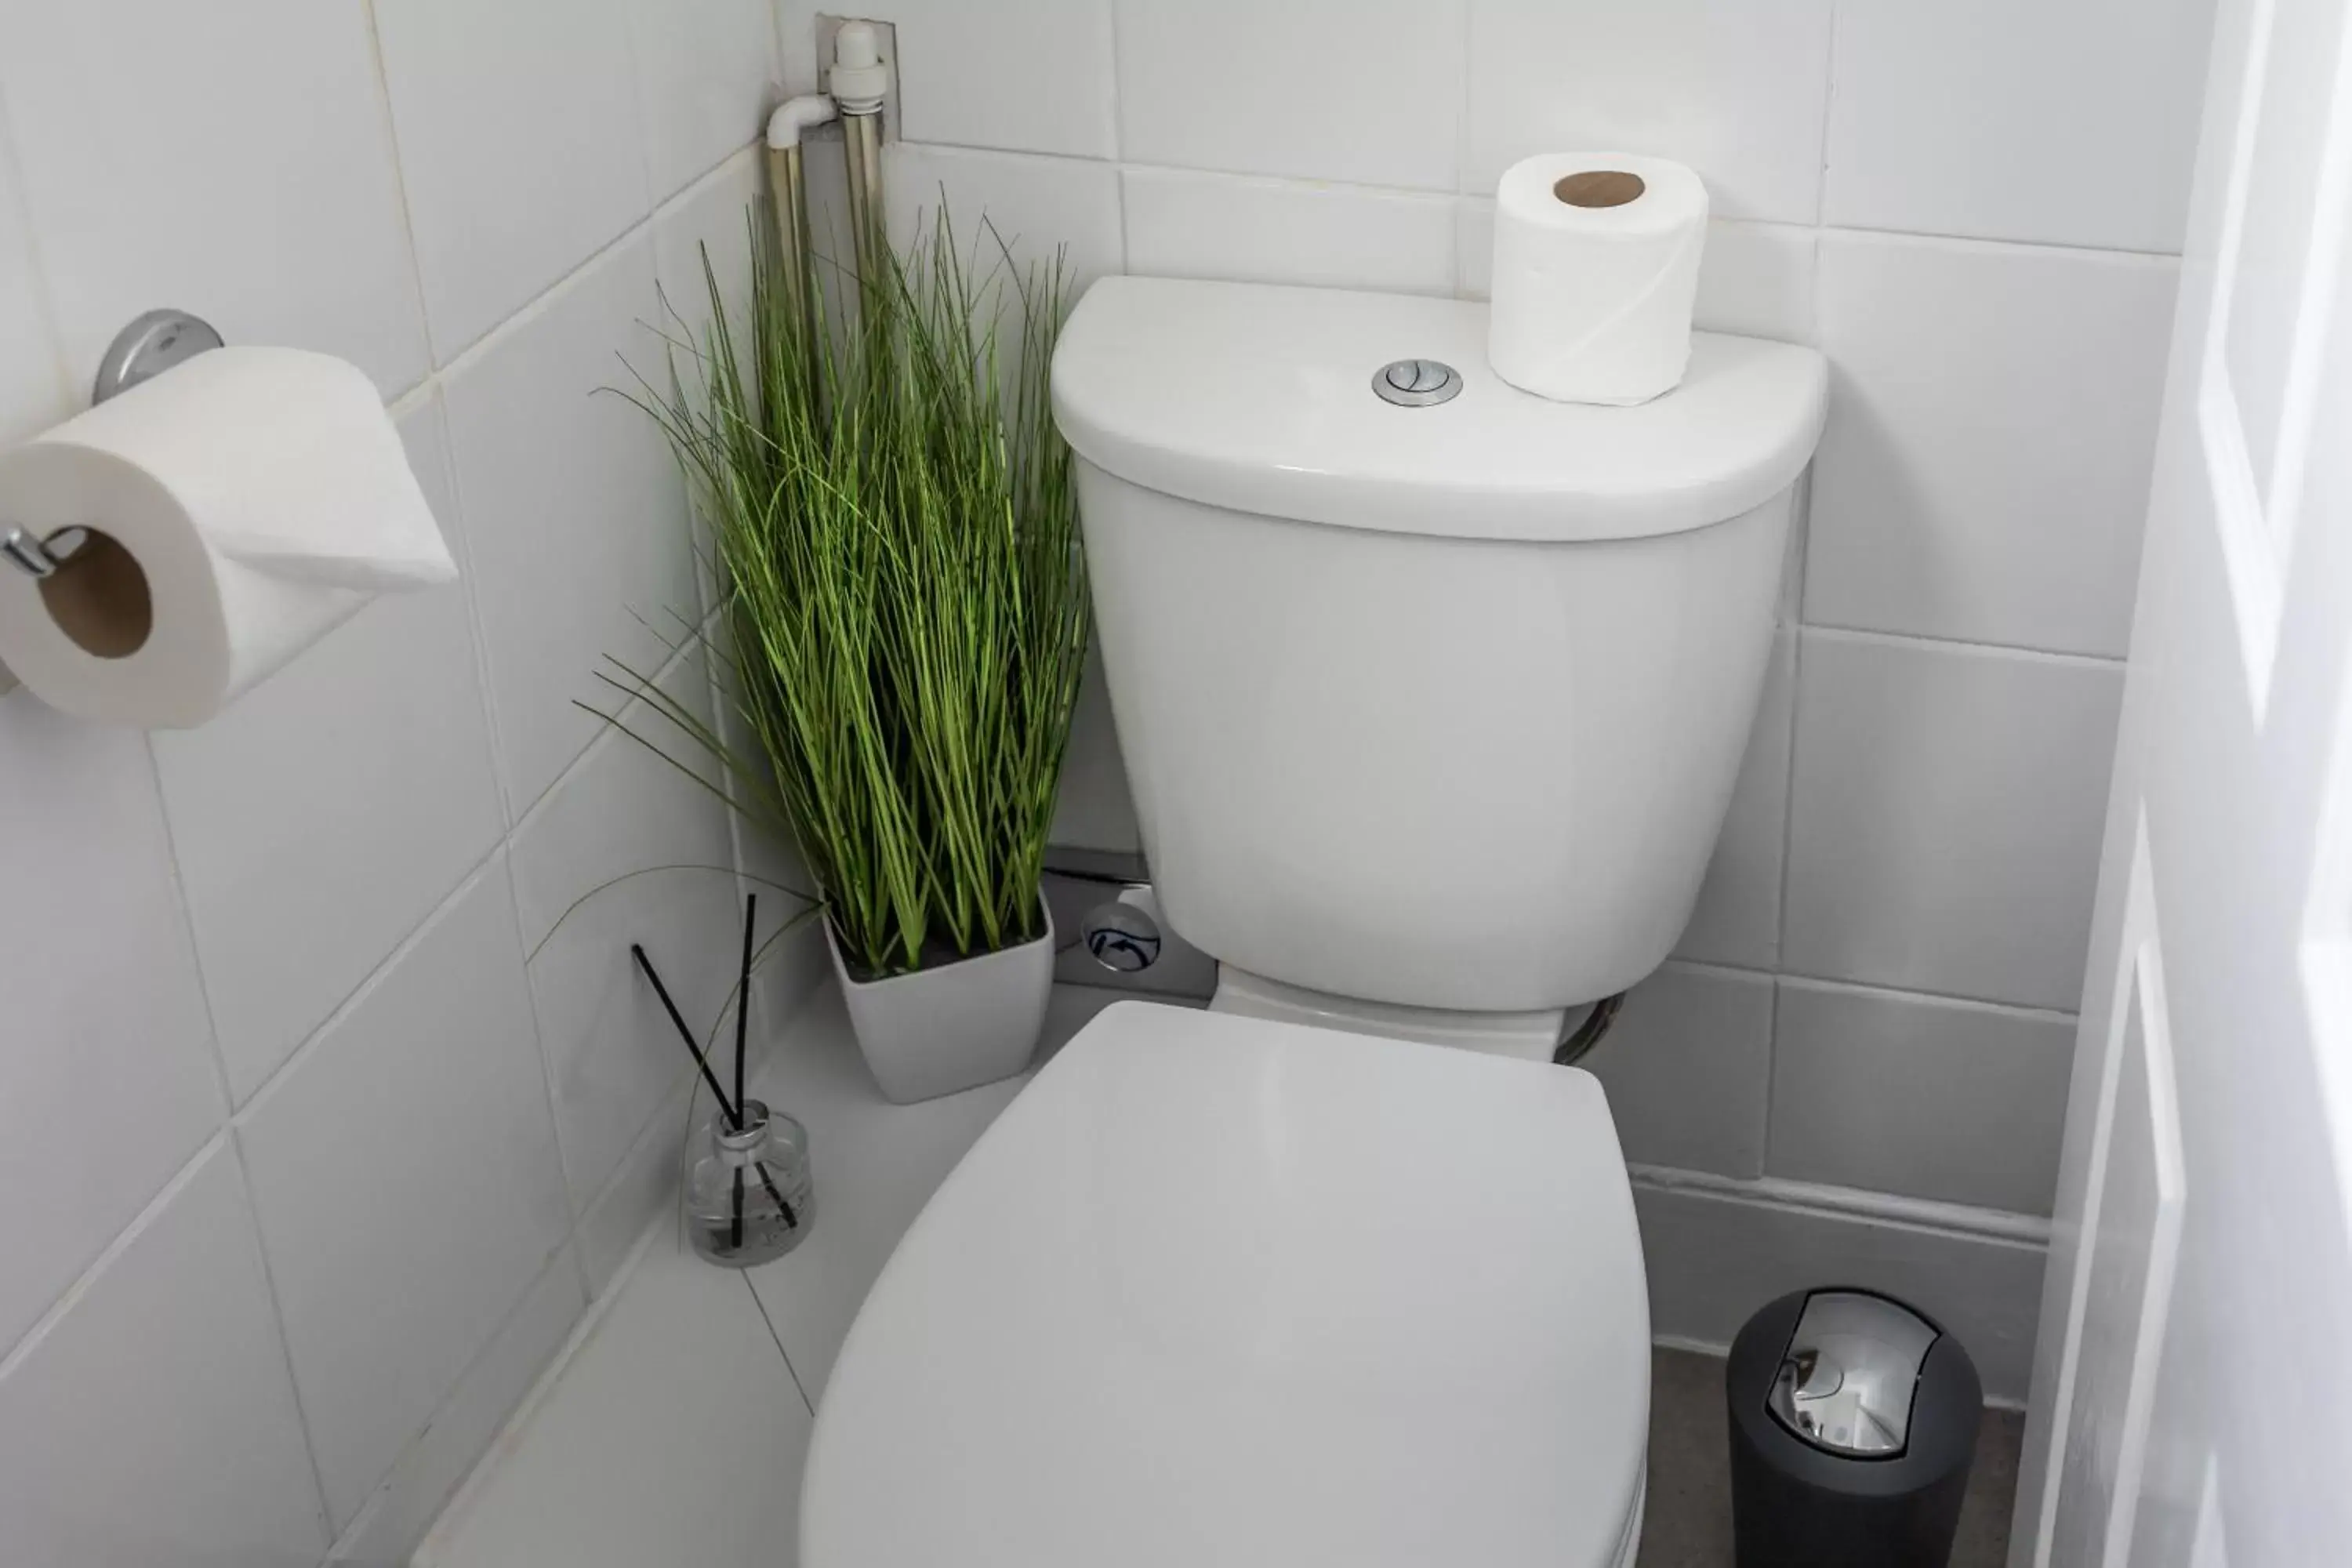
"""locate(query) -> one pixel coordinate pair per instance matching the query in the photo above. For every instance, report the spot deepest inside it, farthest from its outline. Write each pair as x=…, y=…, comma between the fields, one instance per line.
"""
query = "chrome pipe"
x=787, y=180
x=861, y=137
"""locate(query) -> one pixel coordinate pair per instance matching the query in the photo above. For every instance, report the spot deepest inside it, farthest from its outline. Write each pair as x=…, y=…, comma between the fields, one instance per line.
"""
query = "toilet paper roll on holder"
x=140, y=352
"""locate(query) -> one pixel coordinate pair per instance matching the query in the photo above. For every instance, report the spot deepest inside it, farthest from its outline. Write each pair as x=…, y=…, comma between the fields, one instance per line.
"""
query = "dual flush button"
x=1416, y=382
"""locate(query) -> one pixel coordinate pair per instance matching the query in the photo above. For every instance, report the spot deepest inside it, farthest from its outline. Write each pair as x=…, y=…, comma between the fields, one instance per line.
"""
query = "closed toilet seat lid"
x=1215, y=1290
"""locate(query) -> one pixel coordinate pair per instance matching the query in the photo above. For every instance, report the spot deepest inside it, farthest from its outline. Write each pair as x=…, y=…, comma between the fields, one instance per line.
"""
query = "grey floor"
x=1688, y=1523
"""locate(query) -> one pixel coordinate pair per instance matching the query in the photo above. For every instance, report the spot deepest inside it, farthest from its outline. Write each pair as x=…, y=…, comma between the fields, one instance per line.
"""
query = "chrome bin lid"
x=1847, y=1379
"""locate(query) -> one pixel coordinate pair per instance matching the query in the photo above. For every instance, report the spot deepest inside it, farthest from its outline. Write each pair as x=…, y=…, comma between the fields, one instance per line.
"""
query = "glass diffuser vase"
x=748, y=1189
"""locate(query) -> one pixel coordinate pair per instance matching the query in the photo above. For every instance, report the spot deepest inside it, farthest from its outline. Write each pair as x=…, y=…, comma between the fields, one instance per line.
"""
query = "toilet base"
x=1532, y=1036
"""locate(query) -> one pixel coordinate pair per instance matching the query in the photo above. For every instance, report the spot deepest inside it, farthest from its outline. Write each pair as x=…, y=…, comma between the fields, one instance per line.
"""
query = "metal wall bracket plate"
x=148, y=347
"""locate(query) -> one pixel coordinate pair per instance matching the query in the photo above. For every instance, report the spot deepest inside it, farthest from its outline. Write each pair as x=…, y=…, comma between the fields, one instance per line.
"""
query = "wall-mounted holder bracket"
x=148, y=347
x=140, y=352
x=42, y=557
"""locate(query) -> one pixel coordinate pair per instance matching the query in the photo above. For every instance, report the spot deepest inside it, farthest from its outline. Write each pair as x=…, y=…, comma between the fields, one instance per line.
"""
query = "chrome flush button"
x=1416, y=382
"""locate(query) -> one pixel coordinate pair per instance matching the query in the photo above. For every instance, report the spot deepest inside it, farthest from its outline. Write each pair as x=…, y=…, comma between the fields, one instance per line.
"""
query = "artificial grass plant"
x=903, y=616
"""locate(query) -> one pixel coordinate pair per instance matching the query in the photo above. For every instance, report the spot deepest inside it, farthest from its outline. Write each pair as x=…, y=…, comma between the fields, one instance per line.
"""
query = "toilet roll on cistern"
x=240, y=506
x=1596, y=268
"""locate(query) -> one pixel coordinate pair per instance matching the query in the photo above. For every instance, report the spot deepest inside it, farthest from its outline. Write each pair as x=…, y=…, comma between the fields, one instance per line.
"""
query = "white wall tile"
x=1738, y=920
x=154, y=1422
x=1686, y=1065
x=714, y=218
x=1733, y=89
x=400, y=1512
x=1951, y=1101
x=231, y=161
x=405, y=1174
x=1993, y=420
x=1368, y=91
x=1038, y=79
x=575, y=514
x=1185, y=225
x=519, y=147
x=1755, y=278
x=2068, y=124
x=104, y=1015
x=1713, y=1258
x=613, y=1058
x=324, y=814
x=1034, y=204
x=1944, y=824
x=706, y=72
x=33, y=384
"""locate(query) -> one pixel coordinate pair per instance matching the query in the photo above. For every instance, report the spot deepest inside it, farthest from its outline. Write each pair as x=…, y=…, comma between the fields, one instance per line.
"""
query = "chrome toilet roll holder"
x=140, y=352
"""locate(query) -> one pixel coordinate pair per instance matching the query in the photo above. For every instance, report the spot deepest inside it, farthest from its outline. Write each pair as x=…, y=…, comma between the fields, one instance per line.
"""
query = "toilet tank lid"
x=1259, y=398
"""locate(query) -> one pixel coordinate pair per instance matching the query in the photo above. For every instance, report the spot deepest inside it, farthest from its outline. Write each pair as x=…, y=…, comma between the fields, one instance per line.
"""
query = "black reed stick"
x=743, y=988
x=734, y=1118
x=742, y=1012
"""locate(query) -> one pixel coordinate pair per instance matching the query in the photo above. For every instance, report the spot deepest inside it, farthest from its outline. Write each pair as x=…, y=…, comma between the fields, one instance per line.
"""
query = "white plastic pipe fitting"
x=795, y=115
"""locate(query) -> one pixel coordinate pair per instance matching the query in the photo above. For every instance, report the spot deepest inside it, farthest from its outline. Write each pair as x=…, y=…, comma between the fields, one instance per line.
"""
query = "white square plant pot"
x=939, y=1031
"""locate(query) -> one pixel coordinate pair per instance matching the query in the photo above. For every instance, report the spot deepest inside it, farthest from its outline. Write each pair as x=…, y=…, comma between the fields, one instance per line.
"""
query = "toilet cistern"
x=1450, y=755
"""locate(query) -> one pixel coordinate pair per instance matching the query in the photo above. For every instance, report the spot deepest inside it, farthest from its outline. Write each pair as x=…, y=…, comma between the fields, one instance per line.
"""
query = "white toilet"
x=1431, y=695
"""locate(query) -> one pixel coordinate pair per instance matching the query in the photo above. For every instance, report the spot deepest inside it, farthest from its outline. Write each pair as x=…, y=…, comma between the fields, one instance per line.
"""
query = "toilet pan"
x=1219, y=1289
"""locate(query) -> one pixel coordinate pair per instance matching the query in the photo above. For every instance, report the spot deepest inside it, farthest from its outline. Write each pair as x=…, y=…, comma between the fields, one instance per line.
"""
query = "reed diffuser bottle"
x=747, y=1177
x=748, y=1192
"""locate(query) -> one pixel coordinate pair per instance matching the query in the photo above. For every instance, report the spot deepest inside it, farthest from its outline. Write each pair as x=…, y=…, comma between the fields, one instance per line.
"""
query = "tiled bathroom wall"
x=307, y=1165
x=1858, y=1060
x=314, y=1141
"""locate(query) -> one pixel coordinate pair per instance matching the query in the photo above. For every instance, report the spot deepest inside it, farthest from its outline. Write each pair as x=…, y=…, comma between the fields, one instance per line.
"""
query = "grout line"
x=186, y=915
x=225, y=1138
x=84, y=1281
x=484, y=1472
x=778, y=61
x=379, y=1496
x=1788, y=834
x=541, y=303
x=1989, y=242
x=538, y=305
x=235, y=1151
x=630, y=21
x=781, y=1354
x=1915, y=639
x=1896, y=993
x=310, y=1044
x=400, y=190
x=1936, y=1216
x=1465, y=111
x=1118, y=92
x=1305, y=184
x=1715, y=967
x=539, y=1046
x=1772, y=1074
x=226, y=1134
x=623, y=1168
x=606, y=734
x=1828, y=113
